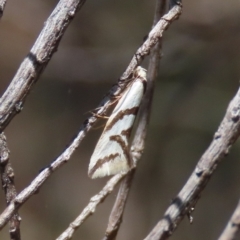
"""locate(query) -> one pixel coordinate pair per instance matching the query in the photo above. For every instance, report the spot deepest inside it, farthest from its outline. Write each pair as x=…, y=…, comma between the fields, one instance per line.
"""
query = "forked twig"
x=137, y=149
x=7, y=177
x=233, y=226
x=224, y=138
x=153, y=37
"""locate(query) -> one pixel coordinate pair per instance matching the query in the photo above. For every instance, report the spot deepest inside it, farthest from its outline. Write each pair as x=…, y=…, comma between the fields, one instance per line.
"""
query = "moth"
x=112, y=152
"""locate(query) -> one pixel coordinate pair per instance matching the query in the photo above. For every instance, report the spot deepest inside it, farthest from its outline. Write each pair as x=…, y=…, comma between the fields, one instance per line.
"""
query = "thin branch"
x=115, y=218
x=7, y=177
x=153, y=37
x=159, y=10
x=233, y=226
x=224, y=138
x=32, y=66
x=91, y=207
x=2, y=6
x=116, y=215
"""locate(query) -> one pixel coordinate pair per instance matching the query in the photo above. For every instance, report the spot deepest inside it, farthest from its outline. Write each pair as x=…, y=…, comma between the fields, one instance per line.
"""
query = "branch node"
x=189, y=214
x=73, y=226
x=199, y=171
x=18, y=106
x=217, y=135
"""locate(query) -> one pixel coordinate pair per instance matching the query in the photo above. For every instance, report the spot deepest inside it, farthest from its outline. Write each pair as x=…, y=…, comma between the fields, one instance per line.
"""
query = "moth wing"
x=107, y=159
x=111, y=154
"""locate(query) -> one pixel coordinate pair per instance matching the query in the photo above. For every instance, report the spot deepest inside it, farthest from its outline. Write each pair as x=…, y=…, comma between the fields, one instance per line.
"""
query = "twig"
x=2, y=6
x=32, y=66
x=116, y=215
x=153, y=38
x=91, y=207
x=7, y=177
x=159, y=10
x=22, y=197
x=224, y=138
x=233, y=226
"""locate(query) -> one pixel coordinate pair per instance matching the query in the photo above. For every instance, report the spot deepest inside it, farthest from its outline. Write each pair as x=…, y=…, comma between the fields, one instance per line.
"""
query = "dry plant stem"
x=2, y=6
x=153, y=38
x=115, y=218
x=233, y=226
x=159, y=10
x=32, y=66
x=184, y=203
x=154, y=63
x=91, y=207
x=7, y=177
x=116, y=215
x=35, y=185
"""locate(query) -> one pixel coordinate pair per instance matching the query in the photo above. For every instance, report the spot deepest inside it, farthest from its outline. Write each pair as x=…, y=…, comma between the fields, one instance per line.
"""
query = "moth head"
x=140, y=72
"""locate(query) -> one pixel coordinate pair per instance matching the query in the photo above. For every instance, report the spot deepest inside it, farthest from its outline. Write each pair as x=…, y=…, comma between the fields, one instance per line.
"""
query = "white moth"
x=111, y=155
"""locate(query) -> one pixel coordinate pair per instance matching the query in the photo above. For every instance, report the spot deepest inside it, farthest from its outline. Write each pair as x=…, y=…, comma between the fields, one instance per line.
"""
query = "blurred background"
x=198, y=77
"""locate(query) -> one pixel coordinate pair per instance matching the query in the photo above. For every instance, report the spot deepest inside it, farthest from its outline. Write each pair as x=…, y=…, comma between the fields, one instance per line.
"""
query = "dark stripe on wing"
x=126, y=132
x=121, y=142
x=111, y=157
x=120, y=115
x=100, y=162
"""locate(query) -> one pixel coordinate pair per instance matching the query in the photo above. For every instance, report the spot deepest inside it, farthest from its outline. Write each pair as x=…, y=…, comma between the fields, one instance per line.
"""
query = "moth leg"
x=115, y=99
x=99, y=116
